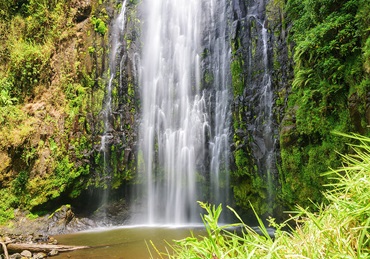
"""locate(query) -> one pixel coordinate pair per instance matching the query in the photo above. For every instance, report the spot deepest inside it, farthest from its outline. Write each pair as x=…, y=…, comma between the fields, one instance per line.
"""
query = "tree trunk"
x=42, y=247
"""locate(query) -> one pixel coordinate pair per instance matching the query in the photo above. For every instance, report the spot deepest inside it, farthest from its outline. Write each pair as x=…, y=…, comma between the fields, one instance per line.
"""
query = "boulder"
x=60, y=219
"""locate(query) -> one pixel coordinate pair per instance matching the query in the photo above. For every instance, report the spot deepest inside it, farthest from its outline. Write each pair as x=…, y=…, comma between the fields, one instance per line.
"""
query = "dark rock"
x=258, y=147
x=60, y=219
x=64, y=221
x=234, y=29
x=115, y=213
x=79, y=224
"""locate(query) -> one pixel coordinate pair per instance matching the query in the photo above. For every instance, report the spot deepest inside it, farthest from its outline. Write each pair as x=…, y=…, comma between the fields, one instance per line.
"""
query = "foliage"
x=20, y=182
x=366, y=51
x=44, y=94
x=338, y=230
x=29, y=64
x=133, y=2
x=15, y=126
x=99, y=25
x=328, y=90
x=6, y=202
x=6, y=96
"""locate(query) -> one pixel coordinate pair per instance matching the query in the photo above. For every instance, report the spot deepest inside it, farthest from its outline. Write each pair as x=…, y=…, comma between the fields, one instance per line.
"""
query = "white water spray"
x=176, y=129
x=220, y=56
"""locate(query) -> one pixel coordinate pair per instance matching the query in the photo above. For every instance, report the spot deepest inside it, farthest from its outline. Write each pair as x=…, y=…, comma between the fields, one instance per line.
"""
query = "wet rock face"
x=261, y=72
x=116, y=137
x=253, y=107
x=250, y=17
x=115, y=213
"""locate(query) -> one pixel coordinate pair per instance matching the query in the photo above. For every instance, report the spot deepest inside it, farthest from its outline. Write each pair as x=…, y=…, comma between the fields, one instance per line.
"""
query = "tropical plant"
x=6, y=97
x=329, y=89
x=337, y=230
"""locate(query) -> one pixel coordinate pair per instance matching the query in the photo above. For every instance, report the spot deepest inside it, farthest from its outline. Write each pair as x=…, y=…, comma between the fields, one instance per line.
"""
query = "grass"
x=337, y=230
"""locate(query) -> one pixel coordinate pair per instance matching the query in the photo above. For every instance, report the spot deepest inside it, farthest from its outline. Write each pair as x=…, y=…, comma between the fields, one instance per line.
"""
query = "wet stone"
x=26, y=253
x=53, y=252
x=39, y=256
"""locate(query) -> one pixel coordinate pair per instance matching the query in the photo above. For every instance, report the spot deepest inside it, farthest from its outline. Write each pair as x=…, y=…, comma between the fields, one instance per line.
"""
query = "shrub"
x=29, y=66
x=99, y=25
x=6, y=96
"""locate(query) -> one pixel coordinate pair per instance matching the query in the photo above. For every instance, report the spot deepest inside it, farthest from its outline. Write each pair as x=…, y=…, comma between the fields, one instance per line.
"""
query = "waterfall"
x=116, y=39
x=219, y=66
x=268, y=131
x=260, y=94
x=183, y=148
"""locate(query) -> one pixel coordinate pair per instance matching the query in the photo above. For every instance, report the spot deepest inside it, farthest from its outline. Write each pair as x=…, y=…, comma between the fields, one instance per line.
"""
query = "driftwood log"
x=14, y=248
x=3, y=245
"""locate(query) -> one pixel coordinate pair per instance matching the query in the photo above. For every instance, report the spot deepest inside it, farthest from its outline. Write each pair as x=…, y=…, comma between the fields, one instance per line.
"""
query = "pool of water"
x=125, y=242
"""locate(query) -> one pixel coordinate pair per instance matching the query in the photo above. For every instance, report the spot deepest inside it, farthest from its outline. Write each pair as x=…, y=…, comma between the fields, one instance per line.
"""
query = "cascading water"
x=267, y=119
x=261, y=97
x=219, y=67
x=184, y=127
x=107, y=112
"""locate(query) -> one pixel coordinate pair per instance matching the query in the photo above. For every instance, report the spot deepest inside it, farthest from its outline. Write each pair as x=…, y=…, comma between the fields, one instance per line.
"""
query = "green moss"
x=237, y=77
x=32, y=216
x=29, y=66
x=68, y=206
x=7, y=93
x=250, y=192
x=7, y=201
x=208, y=78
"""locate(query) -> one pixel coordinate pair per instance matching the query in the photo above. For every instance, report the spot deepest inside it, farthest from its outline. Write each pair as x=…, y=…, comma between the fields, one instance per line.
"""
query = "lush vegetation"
x=329, y=90
x=337, y=230
x=53, y=71
x=44, y=94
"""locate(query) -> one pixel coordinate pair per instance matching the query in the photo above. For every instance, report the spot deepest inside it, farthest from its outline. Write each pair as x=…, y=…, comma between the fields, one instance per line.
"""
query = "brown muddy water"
x=125, y=242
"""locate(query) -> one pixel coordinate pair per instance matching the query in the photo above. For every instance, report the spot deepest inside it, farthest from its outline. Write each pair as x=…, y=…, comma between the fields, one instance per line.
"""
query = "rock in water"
x=53, y=252
x=26, y=253
x=39, y=256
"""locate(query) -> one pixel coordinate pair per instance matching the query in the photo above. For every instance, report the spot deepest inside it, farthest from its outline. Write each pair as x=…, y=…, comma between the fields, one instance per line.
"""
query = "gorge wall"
x=53, y=76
